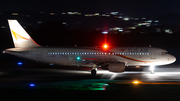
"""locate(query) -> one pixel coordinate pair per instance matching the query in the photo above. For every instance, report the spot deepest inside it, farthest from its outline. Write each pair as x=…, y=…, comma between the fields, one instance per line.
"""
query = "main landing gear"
x=94, y=71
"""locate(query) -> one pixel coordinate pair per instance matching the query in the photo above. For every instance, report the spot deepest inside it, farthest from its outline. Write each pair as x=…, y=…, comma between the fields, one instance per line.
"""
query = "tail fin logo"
x=17, y=36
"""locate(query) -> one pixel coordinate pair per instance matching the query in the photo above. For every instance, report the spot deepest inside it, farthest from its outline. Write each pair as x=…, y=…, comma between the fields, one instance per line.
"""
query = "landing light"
x=152, y=68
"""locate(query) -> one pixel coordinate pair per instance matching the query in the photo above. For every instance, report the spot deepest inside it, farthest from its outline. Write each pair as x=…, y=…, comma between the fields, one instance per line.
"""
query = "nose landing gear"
x=151, y=69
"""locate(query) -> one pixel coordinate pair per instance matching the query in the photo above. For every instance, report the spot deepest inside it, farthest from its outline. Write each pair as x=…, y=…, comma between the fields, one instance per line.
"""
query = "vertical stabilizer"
x=20, y=37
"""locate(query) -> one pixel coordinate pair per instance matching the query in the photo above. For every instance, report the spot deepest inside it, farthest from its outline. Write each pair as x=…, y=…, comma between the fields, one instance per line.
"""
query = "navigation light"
x=78, y=58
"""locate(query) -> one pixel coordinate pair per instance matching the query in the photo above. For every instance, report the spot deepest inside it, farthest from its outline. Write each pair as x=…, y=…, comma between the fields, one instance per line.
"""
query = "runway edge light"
x=135, y=82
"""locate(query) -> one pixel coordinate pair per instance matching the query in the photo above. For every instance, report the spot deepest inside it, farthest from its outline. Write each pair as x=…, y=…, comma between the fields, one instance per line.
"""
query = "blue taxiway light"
x=31, y=85
x=19, y=63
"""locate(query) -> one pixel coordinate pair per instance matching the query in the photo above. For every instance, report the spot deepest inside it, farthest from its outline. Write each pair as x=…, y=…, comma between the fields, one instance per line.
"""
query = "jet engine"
x=116, y=67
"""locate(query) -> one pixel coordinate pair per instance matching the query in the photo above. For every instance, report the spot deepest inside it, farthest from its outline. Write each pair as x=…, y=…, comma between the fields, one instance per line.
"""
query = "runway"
x=50, y=74
x=55, y=81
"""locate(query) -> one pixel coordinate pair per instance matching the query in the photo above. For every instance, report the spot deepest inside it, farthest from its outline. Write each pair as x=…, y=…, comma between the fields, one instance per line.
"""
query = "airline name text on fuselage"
x=134, y=50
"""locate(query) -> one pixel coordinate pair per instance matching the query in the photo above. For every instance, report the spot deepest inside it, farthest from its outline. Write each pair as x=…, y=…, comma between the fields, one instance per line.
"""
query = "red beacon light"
x=105, y=46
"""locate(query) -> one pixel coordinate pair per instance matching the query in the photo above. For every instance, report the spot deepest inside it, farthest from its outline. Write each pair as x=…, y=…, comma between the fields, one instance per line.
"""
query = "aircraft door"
x=153, y=54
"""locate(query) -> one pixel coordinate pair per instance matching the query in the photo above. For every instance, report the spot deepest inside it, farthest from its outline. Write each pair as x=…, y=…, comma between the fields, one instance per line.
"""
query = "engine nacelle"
x=116, y=67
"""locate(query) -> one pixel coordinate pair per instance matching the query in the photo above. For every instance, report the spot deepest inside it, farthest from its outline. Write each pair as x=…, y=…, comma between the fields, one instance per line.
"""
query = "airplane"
x=116, y=58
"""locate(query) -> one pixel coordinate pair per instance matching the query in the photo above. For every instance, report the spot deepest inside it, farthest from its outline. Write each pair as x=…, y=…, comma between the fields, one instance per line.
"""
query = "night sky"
x=130, y=7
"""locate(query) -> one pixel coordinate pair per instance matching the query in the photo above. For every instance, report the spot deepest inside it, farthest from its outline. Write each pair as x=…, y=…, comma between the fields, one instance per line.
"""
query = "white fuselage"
x=131, y=56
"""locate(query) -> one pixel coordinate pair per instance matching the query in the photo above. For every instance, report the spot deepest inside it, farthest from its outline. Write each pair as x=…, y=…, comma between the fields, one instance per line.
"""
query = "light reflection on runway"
x=161, y=74
x=40, y=74
x=82, y=79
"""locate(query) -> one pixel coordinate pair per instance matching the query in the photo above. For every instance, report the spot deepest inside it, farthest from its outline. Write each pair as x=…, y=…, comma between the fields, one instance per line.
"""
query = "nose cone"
x=172, y=58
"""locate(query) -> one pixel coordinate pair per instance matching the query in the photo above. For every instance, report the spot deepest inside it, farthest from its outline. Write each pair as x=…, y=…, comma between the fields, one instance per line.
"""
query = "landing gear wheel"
x=93, y=72
x=152, y=72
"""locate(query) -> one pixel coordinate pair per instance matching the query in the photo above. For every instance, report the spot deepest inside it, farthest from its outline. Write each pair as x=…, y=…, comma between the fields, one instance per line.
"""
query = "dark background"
x=53, y=33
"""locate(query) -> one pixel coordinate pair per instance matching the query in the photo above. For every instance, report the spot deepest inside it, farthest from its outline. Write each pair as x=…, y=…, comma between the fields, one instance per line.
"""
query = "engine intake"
x=116, y=67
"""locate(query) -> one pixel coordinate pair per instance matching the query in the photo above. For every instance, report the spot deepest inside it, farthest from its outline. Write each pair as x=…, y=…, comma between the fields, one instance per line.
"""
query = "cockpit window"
x=164, y=53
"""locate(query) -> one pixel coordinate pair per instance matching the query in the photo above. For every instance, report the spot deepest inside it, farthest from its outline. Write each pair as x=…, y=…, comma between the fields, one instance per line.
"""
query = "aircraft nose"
x=172, y=58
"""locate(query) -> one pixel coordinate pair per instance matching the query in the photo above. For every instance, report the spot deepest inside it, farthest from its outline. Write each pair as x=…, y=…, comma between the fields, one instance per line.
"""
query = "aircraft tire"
x=93, y=72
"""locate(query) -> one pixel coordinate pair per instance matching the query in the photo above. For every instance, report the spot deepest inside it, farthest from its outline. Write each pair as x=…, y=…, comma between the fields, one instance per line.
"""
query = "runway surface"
x=52, y=74
x=133, y=81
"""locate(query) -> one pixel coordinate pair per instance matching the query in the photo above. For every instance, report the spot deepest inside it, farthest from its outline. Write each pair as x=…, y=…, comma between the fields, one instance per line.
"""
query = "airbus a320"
x=116, y=58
